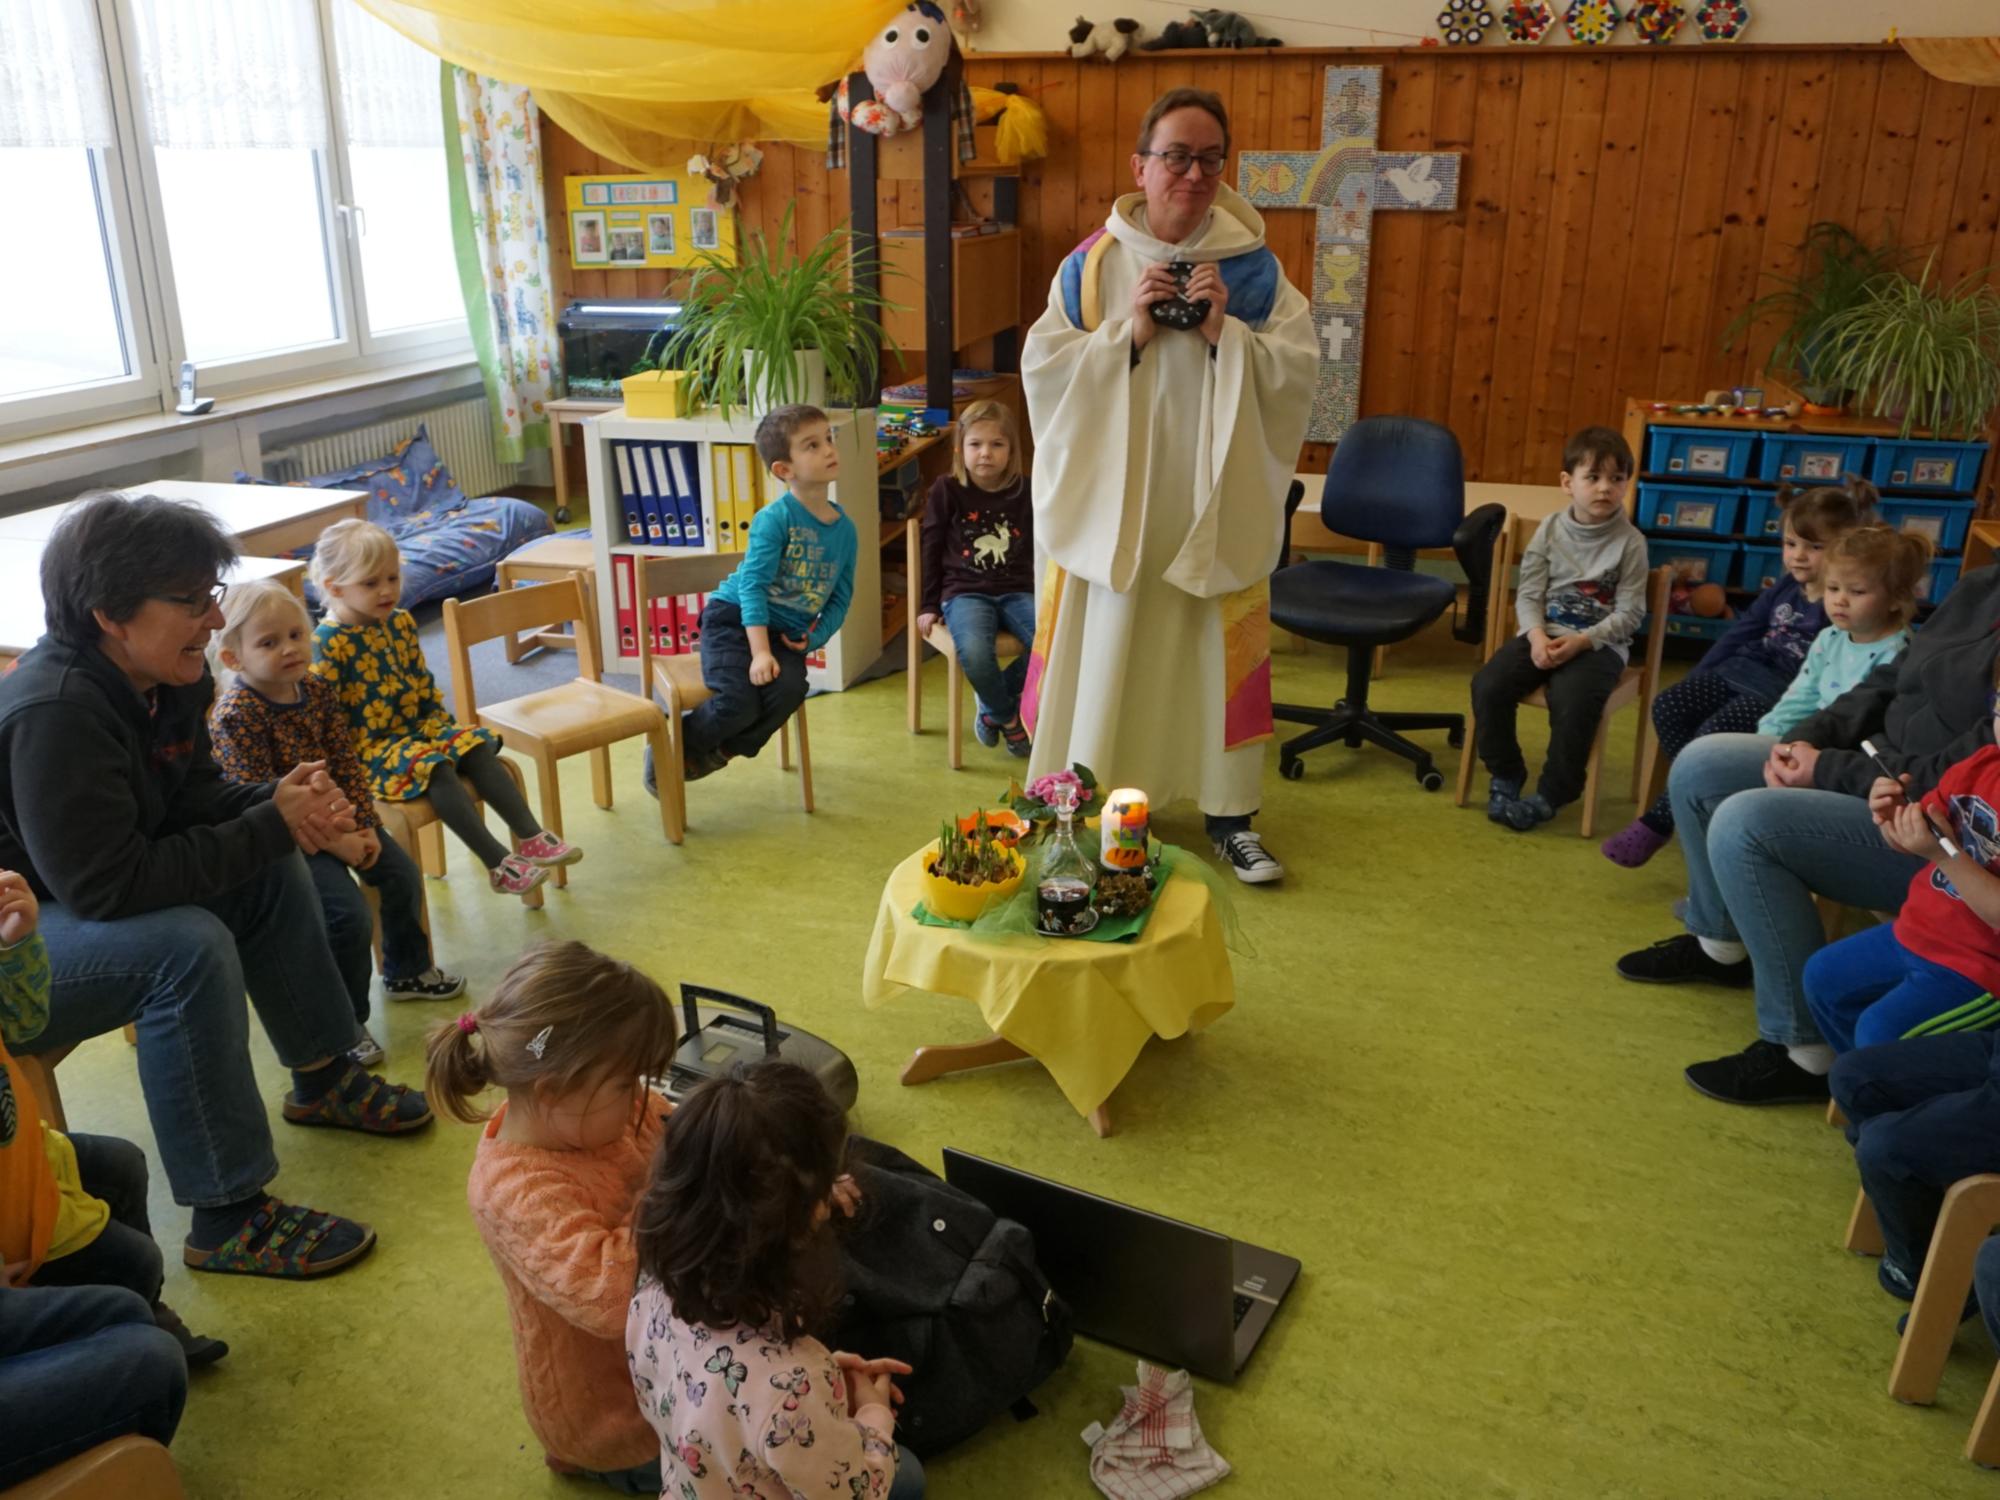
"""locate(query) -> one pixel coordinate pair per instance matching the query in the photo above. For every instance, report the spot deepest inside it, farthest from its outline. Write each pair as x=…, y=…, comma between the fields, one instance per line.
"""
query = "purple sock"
x=1634, y=844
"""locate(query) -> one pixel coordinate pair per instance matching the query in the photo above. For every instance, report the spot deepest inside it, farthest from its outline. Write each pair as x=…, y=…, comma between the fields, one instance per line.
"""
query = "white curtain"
x=220, y=73
x=388, y=87
x=52, y=84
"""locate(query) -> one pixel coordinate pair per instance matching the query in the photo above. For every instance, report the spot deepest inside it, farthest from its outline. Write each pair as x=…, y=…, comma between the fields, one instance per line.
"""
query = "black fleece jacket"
x=1928, y=708
x=111, y=802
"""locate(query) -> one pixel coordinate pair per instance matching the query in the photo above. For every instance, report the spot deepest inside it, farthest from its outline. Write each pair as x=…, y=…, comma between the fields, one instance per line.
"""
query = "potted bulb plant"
x=1919, y=351
x=963, y=871
x=1839, y=267
x=769, y=330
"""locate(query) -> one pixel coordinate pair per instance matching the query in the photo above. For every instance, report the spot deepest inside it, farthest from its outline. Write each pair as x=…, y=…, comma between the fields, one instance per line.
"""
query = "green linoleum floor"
x=1536, y=1263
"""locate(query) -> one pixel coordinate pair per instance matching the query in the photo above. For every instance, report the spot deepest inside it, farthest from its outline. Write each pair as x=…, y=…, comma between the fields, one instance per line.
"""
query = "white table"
x=1526, y=504
x=265, y=520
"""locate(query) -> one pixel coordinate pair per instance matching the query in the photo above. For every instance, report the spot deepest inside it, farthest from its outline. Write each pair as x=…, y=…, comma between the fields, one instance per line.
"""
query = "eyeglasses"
x=1178, y=158
x=196, y=605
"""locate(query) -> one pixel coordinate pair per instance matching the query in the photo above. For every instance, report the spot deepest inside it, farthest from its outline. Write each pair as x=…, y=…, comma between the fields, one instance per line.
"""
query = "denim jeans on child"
x=742, y=716
x=974, y=620
x=1922, y=1113
x=1986, y=1285
x=180, y=973
x=124, y=1252
x=399, y=884
x=1755, y=857
x=78, y=1367
x=1869, y=989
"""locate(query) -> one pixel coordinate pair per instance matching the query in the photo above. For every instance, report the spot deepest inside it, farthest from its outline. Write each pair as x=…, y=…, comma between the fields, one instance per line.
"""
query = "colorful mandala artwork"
x=1526, y=21
x=1464, y=23
x=1723, y=20
x=1657, y=22
x=1592, y=22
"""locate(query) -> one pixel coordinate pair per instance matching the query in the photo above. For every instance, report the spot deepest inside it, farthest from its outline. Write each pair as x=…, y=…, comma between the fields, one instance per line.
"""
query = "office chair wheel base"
x=1455, y=737
x=1430, y=778
x=1291, y=767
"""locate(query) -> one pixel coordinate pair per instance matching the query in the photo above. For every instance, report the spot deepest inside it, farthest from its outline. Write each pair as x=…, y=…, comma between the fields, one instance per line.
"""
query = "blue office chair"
x=1398, y=481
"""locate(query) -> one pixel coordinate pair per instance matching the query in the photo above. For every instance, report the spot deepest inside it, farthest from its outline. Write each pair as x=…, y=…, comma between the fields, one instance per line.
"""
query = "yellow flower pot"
x=963, y=903
x=656, y=393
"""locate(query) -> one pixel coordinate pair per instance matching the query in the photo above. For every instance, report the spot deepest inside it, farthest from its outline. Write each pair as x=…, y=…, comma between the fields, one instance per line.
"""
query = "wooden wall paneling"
x=1698, y=228
x=1520, y=290
x=1662, y=163
x=1139, y=84
x=1892, y=155
x=1927, y=214
x=1297, y=83
x=1454, y=112
x=1487, y=189
x=1789, y=212
x=781, y=171
x=1566, y=262
x=1034, y=252
x=1601, y=289
x=1751, y=155
x=1099, y=162
x=1056, y=205
x=1852, y=95
x=1389, y=346
x=1974, y=244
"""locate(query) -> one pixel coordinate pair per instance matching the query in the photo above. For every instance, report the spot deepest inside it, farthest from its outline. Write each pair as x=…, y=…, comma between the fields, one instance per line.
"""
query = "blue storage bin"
x=1762, y=515
x=1944, y=573
x=1807, y=458
x=1700, y=452
x=1694, y=561
x=1921, y=464
x=1761, y=567
x=1690, y=509
x=1944, y=521
x=1697, y=627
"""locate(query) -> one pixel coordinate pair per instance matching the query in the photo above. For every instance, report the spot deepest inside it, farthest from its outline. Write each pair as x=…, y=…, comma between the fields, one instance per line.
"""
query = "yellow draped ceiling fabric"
x=642, y=81
x=1957, y=59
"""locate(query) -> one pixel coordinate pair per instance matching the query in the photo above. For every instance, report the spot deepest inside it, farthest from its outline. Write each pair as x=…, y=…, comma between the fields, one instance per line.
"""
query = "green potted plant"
x=1839, y=267
x=767, y=330
x=1926, y=353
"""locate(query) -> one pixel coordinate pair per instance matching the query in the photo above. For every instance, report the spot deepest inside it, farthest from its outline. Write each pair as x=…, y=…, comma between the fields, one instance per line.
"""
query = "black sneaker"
x=1679, y=960
x=433, y=984
x=1247, y=856
x=1762, y=1073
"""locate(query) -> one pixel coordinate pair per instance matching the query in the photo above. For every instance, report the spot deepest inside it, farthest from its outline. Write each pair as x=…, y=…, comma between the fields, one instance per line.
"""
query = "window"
x=258, y=186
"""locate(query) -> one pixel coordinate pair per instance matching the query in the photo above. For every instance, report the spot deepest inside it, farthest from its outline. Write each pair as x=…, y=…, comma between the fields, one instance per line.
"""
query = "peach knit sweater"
x=558, y=1226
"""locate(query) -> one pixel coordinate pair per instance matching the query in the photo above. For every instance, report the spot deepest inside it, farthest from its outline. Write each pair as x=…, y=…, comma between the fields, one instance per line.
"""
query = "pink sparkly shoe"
x=546, y=850
x=514, y=876
x=1633, y=844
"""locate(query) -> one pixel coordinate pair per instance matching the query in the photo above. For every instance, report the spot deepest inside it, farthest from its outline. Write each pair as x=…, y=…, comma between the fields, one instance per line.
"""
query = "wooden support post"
x=864, y=229
x=940, y=151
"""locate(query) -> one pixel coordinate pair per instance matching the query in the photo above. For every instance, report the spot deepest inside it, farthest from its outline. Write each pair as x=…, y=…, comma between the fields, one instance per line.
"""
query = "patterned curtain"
x=503, y=253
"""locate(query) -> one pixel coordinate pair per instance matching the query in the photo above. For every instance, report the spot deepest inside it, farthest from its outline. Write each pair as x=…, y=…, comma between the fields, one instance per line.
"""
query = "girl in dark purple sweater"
x=1749, y=668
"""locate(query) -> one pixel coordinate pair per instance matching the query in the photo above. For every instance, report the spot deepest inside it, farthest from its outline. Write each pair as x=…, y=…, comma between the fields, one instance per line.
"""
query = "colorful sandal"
x=361, y=1101
x=278, y=1240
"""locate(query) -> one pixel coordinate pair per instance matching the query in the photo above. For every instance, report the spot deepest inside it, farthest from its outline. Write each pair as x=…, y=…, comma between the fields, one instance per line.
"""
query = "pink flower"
x=1044, y=788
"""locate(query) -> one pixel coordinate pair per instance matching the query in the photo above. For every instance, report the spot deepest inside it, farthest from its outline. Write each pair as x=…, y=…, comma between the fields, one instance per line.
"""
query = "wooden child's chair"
x=579, y=717
x=1639, y=683
x=1971, y=1212
x=1005, y=646
x=130, y=1467
x=677, y=679
x=541, y=562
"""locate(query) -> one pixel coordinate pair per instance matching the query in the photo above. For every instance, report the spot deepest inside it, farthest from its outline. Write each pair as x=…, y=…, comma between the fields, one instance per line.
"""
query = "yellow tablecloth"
x=1083, y=1010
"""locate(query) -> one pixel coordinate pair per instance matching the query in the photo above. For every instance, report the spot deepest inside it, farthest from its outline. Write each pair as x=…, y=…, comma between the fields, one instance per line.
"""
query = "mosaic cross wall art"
x=1345, y=183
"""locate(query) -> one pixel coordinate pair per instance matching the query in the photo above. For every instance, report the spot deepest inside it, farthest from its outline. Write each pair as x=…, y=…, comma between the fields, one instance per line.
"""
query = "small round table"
x=1083, y=1010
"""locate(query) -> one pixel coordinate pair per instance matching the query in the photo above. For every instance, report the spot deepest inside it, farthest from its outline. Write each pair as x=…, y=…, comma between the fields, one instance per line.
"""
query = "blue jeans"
x=1922, y=1113
x=406, y=947
x=974, y=620
x=1756, y=855
x=1986, y=1282
x=1869, y=989
x=78, y=1367
x=124, y=1252
x=741, y=716
x=180, y=974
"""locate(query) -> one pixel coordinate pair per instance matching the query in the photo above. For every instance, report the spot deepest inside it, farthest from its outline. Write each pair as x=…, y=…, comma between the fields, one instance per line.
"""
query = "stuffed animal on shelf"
x=966, y=19
x=1178, y=36
x=1226, y=28
x=1110, y=40
x=903, y=60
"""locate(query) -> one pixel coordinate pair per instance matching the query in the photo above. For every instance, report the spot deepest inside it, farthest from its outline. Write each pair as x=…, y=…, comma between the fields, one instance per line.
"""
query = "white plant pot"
x=808, y=384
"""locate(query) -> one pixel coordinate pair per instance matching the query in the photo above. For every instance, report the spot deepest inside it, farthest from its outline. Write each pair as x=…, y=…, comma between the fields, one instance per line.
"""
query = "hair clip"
x=539, y=1043
x=468, y=1023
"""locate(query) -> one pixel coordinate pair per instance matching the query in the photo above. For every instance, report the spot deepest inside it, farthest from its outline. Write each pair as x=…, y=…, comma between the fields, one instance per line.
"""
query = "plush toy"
x=1178, y=36
x=1708, y=601
x=905, y=59
x=1109, y=39
x=966, y=19
x=724, y=167
x=1226, y=28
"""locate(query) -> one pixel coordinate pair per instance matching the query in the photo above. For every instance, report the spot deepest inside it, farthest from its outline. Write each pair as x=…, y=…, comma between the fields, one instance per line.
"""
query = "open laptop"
x=1174, y=1293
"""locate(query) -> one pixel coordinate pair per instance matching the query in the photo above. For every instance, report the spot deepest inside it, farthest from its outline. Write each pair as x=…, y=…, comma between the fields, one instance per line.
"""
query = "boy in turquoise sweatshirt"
x=785, y=599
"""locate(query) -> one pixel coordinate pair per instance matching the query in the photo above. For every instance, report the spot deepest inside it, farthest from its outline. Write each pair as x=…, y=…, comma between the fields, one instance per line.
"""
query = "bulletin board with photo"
x=641, y=221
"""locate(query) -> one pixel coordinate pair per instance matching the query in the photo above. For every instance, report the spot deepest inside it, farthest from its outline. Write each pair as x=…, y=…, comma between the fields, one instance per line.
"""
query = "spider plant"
x=742, y=324
x=1839, y=268
x=1928, y=352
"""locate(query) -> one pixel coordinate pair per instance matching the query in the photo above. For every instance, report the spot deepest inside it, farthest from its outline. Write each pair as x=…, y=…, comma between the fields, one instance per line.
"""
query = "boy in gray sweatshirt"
x=1581, y=599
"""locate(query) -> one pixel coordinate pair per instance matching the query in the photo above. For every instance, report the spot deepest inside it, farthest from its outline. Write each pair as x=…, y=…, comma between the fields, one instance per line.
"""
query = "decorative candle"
x=1124, y=830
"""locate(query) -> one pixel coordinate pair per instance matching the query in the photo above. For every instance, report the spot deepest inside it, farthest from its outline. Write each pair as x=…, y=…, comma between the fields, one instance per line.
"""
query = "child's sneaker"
x=1634, y=844
x=433, y=984
x=1527, y=812
x=985, y=730
x=546, y=850
x=1498, y=794
x=515, y=877
x=367, y=1052
x=1018, y=743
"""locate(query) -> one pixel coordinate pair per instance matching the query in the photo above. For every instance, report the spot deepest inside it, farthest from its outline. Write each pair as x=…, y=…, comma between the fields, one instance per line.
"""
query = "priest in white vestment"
x=1162, y=456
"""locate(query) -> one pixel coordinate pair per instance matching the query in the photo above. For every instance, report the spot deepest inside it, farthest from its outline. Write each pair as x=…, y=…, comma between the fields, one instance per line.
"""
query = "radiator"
x=462, y=433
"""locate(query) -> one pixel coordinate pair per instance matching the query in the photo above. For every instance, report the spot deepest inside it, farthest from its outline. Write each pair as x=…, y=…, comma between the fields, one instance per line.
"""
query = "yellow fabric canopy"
x=639, y=80
x=1957, y=59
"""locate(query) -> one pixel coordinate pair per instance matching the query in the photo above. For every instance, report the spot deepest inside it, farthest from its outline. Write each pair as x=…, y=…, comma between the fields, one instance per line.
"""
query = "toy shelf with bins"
x=858, y=642
x=1708, y=486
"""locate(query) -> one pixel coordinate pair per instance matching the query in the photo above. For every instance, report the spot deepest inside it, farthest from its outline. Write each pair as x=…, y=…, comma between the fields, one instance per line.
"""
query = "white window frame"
x=142, y=270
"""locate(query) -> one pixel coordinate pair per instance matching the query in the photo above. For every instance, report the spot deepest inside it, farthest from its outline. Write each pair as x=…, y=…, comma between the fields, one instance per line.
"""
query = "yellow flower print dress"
x=402, y=728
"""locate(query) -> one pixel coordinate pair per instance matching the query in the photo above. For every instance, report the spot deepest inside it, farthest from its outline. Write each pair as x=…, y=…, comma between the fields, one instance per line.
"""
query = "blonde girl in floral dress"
x=367, y=649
